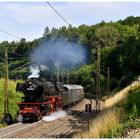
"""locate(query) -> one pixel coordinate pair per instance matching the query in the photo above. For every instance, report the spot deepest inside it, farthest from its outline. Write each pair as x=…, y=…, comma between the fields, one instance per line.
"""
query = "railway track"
x=12, y=129
x=63, y=129
x=83, y=121
x=58, y=126
x=47, y=126
x=43, y=129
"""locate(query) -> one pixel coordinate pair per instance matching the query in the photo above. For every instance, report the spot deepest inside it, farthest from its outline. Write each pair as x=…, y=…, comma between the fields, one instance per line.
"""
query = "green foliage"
x=126, y=80
x=14, y=97
x=113, y=84
x=129, y=114
x=106, y=36
x=131, y=21
x=130, y=119
x=18, y=55
x=86, y=77
x=134, y=113
x=120, y=51
x=132, y=105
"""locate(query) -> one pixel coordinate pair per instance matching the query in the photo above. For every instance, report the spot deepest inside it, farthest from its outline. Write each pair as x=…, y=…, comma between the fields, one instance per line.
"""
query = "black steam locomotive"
x=42, y=97
x=34, y=89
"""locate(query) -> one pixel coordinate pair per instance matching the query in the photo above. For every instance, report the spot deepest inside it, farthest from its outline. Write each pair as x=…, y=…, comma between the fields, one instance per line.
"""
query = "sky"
x=29, y=19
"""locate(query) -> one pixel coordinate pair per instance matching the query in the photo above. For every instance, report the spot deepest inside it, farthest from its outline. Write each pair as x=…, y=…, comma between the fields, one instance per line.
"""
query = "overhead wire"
x=52, y=8
x=58, y=13
x=20, y=37
x=9, y=34
x=26, y=64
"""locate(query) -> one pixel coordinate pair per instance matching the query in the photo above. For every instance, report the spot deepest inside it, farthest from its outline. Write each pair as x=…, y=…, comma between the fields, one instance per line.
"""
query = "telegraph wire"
x=9, y=34
x=58, y=13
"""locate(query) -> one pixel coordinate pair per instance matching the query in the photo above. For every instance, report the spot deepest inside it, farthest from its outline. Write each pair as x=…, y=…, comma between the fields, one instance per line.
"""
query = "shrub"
x=126, y=80
x=132, y=106
x=13, y=97
x=113, y=83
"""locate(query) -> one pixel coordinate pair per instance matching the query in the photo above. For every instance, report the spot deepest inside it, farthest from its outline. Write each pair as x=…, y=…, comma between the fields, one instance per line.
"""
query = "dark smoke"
x=60, y=52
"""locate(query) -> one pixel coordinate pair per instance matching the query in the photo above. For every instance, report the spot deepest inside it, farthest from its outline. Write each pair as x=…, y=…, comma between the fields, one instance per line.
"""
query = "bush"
x=126, y=80
x=13, y=96
x=132, y=106
x=113, y=84
x=134, y=113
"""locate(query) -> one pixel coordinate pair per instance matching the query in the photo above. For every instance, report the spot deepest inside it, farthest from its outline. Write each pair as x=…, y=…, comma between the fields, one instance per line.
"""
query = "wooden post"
x=67, y=77
x=98, y=79
x=58, y=72
x=62, y=78
x=6, y=77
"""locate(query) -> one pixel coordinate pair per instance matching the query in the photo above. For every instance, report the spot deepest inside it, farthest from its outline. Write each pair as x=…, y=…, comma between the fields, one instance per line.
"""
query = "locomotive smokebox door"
x=7, y=118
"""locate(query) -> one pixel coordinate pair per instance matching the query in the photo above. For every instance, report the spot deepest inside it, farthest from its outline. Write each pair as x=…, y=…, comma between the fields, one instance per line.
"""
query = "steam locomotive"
x=42, y=97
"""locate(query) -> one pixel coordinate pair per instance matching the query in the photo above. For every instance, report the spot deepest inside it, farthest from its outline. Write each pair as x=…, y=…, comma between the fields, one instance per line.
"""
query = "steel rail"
x=57, y=126
x=18, y=130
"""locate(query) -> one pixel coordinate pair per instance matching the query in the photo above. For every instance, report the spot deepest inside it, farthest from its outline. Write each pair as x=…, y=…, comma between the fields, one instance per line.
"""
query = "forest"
x=119, y=44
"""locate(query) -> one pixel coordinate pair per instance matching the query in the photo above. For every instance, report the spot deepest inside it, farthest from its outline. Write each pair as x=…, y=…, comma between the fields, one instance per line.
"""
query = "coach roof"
x=73, y=86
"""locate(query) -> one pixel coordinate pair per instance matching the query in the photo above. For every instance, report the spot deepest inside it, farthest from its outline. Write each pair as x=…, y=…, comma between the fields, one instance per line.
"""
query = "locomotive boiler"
x=42, y=97
x=34, y=89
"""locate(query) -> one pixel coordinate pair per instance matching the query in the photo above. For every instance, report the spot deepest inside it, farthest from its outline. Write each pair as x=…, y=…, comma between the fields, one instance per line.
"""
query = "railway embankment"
x=119, y=118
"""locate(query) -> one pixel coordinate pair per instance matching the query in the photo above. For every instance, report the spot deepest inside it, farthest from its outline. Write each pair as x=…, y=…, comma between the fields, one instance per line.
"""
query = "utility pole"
x=57, y=72
x=98, y=79
x=62, y=78
x=6, y=77
x=67, y=77
x=7, y=118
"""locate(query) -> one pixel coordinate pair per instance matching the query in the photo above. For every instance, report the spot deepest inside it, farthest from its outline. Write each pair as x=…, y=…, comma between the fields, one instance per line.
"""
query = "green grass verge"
x=130, y=118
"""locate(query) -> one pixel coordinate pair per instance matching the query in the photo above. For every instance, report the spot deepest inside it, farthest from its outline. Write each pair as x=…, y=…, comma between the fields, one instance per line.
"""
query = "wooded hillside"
x=120, y=51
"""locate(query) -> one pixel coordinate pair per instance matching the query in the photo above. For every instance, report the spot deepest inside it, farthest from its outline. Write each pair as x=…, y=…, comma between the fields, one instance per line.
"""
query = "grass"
x=104, y=122
x=109, y=123
x=120, y=96
x=13, y=98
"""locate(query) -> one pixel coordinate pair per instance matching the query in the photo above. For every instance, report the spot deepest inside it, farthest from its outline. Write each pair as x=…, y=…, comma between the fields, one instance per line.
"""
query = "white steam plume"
x=67, y=54
x=54, y=116
x=20, y=118
x=42, y=67
x=34, y=72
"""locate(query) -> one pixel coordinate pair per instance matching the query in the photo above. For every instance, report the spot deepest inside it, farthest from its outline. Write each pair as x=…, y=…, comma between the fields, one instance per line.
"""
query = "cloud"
x=29, y=19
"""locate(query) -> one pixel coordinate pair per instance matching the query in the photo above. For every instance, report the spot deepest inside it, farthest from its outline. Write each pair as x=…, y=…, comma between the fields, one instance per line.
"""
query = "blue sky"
x=28, y=20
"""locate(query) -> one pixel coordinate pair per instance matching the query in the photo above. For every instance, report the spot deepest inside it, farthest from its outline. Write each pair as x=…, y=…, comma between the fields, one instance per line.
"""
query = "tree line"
x=120, y=51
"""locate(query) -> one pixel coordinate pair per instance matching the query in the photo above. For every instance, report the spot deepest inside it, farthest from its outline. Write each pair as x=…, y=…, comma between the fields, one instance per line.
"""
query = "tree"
x=46, y=32
x=106, y=36
x=131, y=21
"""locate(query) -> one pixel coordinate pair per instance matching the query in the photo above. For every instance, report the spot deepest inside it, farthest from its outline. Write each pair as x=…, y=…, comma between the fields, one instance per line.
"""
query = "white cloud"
x=30, y=19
